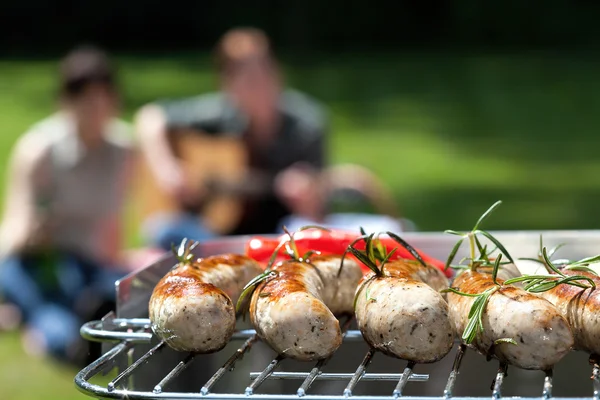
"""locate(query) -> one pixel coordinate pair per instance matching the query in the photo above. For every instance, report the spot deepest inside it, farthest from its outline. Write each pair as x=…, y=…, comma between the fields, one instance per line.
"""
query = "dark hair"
x=241, y=46
x=84, y=66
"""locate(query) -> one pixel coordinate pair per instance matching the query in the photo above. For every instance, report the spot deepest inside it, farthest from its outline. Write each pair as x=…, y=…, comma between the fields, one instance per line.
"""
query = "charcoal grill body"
x=151, y=370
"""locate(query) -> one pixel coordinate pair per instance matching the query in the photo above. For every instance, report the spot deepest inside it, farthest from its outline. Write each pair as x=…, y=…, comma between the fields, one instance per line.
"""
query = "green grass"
x=450, y=134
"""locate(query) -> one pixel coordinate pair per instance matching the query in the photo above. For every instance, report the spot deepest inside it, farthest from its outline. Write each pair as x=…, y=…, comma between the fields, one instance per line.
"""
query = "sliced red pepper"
x=328, y=242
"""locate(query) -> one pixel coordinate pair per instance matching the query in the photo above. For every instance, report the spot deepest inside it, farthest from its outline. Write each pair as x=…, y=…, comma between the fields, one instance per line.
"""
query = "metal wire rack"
x=131, y=332
x=138, y=357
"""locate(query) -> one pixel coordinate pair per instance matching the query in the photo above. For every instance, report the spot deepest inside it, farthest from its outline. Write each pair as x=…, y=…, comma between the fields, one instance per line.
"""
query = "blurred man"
x=282, y=130
x=61, y=236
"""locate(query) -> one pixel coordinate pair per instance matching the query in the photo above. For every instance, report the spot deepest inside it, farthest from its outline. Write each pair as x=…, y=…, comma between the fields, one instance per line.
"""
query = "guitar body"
x=205, y=158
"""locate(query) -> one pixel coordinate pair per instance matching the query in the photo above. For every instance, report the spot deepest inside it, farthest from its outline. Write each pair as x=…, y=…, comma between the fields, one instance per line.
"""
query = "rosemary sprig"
x=475, y=244
x=375, y=256
x=244, y=300
x=578, y=265
x=291, y=250
x=534, y=283
x=505, y=340
x=542, y=283
x=475, y=323
x=290, y=245
x=183, y=253
x=475, y=317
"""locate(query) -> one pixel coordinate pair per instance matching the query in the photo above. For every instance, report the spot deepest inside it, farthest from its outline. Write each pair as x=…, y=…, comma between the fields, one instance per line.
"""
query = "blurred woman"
x=61, y=236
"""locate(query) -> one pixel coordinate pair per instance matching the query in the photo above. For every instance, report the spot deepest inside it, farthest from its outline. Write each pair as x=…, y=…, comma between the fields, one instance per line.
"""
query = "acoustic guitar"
x=216, y=165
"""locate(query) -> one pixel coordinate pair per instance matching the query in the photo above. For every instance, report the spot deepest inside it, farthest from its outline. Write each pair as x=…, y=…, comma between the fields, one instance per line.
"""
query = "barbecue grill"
x=145, y=368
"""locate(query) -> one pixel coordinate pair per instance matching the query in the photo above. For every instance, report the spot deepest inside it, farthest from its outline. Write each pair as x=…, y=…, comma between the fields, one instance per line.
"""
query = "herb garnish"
x=475, y=244
x=534, y=283
x=184, y=254
x=291, y=250
x=375, y=256
x=545, y=257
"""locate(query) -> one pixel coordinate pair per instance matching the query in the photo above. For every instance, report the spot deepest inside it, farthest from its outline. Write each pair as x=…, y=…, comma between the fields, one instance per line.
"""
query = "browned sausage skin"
x=581, y=308
x=541, y=334
x=402, y=313
x=292, y=312
x=192, y=306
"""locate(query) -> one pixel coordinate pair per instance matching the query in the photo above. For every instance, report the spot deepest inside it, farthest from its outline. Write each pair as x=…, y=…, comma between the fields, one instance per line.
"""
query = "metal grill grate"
x=132, y=336
x=135, y=331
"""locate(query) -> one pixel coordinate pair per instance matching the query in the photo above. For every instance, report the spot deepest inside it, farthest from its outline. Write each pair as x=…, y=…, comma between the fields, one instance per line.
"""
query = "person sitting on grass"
x=60, y=236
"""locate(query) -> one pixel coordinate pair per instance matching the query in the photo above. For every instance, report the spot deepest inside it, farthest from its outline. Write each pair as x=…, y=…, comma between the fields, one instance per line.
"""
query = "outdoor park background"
x=453, y=104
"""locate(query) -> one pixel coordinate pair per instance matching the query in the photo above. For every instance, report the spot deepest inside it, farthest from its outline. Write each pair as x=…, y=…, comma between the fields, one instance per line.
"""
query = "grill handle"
x=96, y=331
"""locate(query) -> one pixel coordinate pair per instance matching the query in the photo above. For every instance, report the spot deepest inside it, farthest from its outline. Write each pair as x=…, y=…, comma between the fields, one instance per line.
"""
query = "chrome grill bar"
x=462, y=348
x=341, y=376
x=595, y=375
x=547, y=391
x=174, y=372
x=403, y=380
x=310, y=377
x=117, y=390
x=360, y=371
x=497, y=384
x=125, y=374
x=316, y=371
x=229, y=364
x=263, y=376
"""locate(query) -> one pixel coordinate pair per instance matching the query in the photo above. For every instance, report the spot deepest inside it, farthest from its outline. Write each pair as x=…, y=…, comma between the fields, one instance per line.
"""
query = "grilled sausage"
x=295, y=311
x=192, y=307
x=402, y=314
x=542, y=335
x=581, y=308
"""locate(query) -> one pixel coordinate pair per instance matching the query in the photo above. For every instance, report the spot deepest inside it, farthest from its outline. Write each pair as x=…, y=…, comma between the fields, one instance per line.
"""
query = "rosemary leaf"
x=572, y=280
x=380, y=249
x=451, y=232
x=543, y=287
x=363, y=258
x=181, y=251
x=360, y=289
x=496, y=242
x=458, y=292
x=588, y=260
x=525, y=278
x=369, y=247
x=243, y=301
x=487, y=214
x=358, y=239
x=532, y=283
x=496, y=266
x=505, y=340
x=582, y=268
x=407, y=246
x=475, y=316
x=453, y=252
x=537, y=260
x=306, y=227
x=309, y=253
x=470, y=331
x=290, y=245
x=482, y=249
x=549, y=263
x=386, y=258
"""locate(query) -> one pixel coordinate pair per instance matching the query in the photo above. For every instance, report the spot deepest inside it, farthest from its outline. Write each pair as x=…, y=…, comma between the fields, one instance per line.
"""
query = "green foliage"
x=452, y=132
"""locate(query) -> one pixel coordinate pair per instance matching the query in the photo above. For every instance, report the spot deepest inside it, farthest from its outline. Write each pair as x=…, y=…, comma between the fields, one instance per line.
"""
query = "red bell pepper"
x=328, y=242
